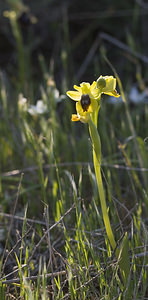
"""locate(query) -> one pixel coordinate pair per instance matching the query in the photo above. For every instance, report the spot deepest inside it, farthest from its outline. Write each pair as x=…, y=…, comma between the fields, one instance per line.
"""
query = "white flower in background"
x=38, y=109
x=138, y=97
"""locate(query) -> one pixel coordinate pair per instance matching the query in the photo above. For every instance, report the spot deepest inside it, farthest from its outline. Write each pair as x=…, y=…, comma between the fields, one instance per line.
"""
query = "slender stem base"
x=122, y=253
x=97, y=159
x=103, y=202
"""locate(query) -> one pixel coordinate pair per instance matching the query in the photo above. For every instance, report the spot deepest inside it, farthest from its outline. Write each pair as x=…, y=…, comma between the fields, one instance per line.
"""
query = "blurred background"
x=45, y=48
x=72, y=37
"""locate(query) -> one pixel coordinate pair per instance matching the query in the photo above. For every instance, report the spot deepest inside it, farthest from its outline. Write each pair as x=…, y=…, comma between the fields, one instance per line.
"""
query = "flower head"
x=86, y=96
x=107, y=85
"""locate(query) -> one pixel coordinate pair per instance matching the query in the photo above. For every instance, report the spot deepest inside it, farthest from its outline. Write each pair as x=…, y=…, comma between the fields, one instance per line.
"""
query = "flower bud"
x=101, y=83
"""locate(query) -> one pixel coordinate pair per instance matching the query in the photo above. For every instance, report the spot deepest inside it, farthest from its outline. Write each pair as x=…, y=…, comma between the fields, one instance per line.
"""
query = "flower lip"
x=85, y=102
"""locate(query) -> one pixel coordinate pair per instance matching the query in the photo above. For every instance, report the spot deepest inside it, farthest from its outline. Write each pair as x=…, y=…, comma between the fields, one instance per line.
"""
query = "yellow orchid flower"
x=107, y=85
x=86, y=96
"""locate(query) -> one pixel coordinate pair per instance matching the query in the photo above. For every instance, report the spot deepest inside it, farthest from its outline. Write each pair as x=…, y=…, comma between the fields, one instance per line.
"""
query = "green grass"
x=53, y=243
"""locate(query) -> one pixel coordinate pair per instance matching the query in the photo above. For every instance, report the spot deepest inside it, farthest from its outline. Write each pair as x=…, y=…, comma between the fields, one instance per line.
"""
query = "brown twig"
x=68, y=164
x=48, y=275
x=49, y=229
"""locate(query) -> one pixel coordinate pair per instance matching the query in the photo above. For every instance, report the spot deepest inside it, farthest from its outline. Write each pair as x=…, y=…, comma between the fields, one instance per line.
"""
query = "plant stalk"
x=97, y=160
x=122, y=253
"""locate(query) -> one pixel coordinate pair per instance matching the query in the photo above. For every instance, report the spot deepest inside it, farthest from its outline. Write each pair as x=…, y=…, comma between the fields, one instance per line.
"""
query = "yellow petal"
x=75, y=118
x=96, y=93
x=79, y=108
x=78, y=88
x=110, y=84
x=83, y=118
x=93, y=85
x=84, y=115
x=85, y=86
x=74, y=95
x=114, y=94
x=93, y=106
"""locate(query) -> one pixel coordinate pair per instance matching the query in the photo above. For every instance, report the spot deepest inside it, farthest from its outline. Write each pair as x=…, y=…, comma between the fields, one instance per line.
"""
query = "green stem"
x=103, y=202
x=97, y=159
x=122, y=253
